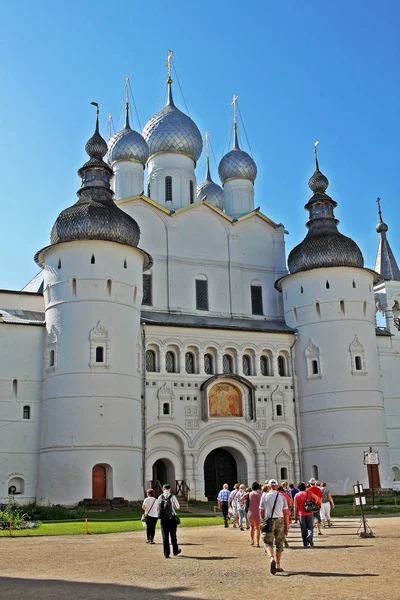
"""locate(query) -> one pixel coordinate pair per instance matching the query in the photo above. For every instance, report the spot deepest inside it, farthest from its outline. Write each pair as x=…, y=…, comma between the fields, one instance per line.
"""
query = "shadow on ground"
x=322, y=574
x=48, y=589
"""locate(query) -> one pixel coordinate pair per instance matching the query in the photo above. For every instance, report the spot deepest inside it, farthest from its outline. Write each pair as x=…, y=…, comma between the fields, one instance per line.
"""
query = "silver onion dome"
x=210, y=191
x=95, y=216
x=324, y=246
x=128, y=144
x=172, y=131
x=237, y=164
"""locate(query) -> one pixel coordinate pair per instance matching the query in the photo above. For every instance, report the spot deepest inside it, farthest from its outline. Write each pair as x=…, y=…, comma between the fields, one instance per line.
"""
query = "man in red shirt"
x=318, y=492
x=306, y=518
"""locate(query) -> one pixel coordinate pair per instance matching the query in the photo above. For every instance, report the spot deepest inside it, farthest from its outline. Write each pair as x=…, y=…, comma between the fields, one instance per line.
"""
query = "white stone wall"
x=178, y=166
x=238, y=197
x=261, y=445
x=341, y=408
x=128, y=179
x=198, y=241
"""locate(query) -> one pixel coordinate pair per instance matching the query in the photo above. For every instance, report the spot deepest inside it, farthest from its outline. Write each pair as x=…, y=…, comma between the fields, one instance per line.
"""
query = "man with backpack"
x=167, y=505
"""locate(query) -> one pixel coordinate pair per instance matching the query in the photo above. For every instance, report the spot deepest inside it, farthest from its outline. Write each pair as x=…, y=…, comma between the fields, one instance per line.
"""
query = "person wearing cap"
x=274, y=505
x=315, y=489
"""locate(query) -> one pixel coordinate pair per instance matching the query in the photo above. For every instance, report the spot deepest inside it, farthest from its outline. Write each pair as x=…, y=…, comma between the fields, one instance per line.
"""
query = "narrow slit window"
x=125, y=264
x=284, y=473
x=342, y=307
x=99, y=354
x=208, y=364
x=59, y=263
x=191, y=191
x=73, y=283
x=51, y=358
x=301, y=289
x=201, y=294
x=256, y=300
x=354, y=284
x=168, y=189
x=15, y=387
x=166, y=408
x=92, y=260
x=358, y=362
x=318, y=309
x=26, y=412
x=109, y=286
x=314, y=367
x=246, y=365
x=147, y=289
x=279, y=410
x=295, y=314
x=364, y=309
x=148, y=190
x=327, y=285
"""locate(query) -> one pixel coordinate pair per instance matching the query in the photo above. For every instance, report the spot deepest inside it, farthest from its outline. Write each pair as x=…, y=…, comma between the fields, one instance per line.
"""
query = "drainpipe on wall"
x=144, y=411
x=296, y=422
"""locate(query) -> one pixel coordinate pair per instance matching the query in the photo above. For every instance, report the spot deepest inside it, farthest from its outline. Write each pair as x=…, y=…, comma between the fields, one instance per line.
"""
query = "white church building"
x=167, y=338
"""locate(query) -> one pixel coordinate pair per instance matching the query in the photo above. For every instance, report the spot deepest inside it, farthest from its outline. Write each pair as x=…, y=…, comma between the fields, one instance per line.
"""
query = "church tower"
x=328, y=298
x=175, y=146
x=91, y=431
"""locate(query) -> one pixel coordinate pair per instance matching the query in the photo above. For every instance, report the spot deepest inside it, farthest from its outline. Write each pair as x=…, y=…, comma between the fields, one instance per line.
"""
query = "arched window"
x=256, y=300
x=327, y=285
x=279, y=410
x=168, y=188
x=99, y=354
x=246, y=364
x=166, y=408
x=284, y=473
x=208, y=364
x=227, y=364
x=51, y=358
x=26, y=413
x=265, y=366
x=201, y=293
x=314, y=472
x=318, y=309
x=282, y=366
x=150, y=361
x=92, y=260
x=170, y=361
x=191, y=191
x=73, y=284
x=109, y=286
x=15, y=387
x=342, y=307
x=189, y=362
x=148, y=190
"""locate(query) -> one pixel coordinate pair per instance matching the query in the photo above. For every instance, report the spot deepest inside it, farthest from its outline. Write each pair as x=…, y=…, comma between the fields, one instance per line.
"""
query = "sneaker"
x=272, y=567
x=279, y=570
x=176, y=553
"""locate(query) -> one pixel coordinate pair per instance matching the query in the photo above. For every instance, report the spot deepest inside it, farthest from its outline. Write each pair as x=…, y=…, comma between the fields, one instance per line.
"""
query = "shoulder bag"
x=266, y=524
x=310, y=506
x=146, y=514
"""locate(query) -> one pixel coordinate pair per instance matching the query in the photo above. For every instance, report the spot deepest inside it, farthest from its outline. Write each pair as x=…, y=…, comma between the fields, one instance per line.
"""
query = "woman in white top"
x=151, y=511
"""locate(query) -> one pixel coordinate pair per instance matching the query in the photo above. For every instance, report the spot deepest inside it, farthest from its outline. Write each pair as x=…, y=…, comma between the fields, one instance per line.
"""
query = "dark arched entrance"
x=219, y=468
x=160, y=472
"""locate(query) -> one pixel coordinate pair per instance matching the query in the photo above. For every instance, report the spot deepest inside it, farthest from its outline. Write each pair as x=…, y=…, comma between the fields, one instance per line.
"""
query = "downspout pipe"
x=296, y=416
x=144, y=411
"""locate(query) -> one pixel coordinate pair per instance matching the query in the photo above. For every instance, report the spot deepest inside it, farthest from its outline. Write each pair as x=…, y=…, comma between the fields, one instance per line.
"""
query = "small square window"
x=182, y=385
x=175, y=384
x=188, y=398
x=195, y=398
x=181, y=397
x=196, y=385
x=189, y=385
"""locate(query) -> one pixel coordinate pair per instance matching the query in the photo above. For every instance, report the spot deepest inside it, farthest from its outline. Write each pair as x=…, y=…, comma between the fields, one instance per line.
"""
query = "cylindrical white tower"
x=91, y=435
x=175, y=145
x=328, y=297
x=127, y=154
x=237, y=171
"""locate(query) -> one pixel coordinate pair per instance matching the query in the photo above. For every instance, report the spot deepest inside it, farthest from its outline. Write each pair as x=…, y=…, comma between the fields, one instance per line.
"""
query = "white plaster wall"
x=341, y=413
x=181, y=168
x=238, y=197
x=91, y=414
x=21, y=358
x=128, y=179
x=186, y=439
x=22, y=300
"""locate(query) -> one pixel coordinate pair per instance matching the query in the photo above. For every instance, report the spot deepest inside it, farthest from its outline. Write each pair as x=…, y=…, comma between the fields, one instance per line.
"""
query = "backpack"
x=165, y=511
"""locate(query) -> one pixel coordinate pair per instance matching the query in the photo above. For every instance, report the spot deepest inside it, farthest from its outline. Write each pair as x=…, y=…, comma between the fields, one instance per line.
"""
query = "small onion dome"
x=324, y=246
x=210, y=191
x=95, y=216
x=237, y=164
x=128, y=144
x=381, y=227
x=172, y=131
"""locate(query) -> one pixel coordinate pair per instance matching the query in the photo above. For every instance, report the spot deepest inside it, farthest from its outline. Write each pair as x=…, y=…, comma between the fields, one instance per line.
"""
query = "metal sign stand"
x=372, y=458
x=364, y=530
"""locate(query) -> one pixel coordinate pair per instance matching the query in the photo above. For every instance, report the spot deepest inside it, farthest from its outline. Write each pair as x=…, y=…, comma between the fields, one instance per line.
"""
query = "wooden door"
x=99, y=482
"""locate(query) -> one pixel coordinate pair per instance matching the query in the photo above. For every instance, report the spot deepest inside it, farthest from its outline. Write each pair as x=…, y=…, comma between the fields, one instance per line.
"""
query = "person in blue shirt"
x=293, y=491
x=223, y=498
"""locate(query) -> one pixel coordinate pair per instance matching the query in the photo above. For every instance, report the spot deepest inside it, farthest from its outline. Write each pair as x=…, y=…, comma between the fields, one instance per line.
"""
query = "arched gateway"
x=219, y=468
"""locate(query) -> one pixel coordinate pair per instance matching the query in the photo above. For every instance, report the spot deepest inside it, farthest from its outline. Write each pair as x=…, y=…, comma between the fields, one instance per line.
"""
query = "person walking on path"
x=326, y=505
x=293, y=491
x=254, y=513
x=305, y=517
x=241, y=505
x=315, y=489
x=274, y=506
x=232, y=502
x=289, y=501
x=151, y=511
x=166, y=506
x=223, y=499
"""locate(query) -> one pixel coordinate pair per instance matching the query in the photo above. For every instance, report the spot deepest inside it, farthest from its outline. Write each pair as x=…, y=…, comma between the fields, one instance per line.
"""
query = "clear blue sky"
x=303, y=69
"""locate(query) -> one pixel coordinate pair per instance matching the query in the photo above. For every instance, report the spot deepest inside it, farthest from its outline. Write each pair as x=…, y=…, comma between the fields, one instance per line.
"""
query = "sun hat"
x=272, y=482
x=312, y=481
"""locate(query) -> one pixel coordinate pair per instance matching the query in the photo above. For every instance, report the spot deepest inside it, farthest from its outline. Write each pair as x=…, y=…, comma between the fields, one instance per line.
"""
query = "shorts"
x=326, y=511
x=277, y=534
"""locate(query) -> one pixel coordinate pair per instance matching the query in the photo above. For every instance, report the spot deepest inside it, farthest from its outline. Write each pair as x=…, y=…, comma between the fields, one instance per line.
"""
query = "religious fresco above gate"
x=225, y=400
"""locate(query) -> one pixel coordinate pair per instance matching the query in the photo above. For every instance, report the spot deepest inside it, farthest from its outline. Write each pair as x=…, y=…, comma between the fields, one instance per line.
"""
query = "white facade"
x=198, y=370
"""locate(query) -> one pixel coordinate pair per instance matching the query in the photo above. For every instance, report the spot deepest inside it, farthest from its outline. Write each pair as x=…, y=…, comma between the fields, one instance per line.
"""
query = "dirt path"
x=215, y=563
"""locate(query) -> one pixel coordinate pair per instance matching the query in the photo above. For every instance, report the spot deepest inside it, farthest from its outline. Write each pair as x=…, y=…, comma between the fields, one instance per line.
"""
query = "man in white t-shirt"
x=274, y=505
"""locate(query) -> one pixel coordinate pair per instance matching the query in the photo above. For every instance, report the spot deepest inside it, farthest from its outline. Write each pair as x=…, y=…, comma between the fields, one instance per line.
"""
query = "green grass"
x=78, y=527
